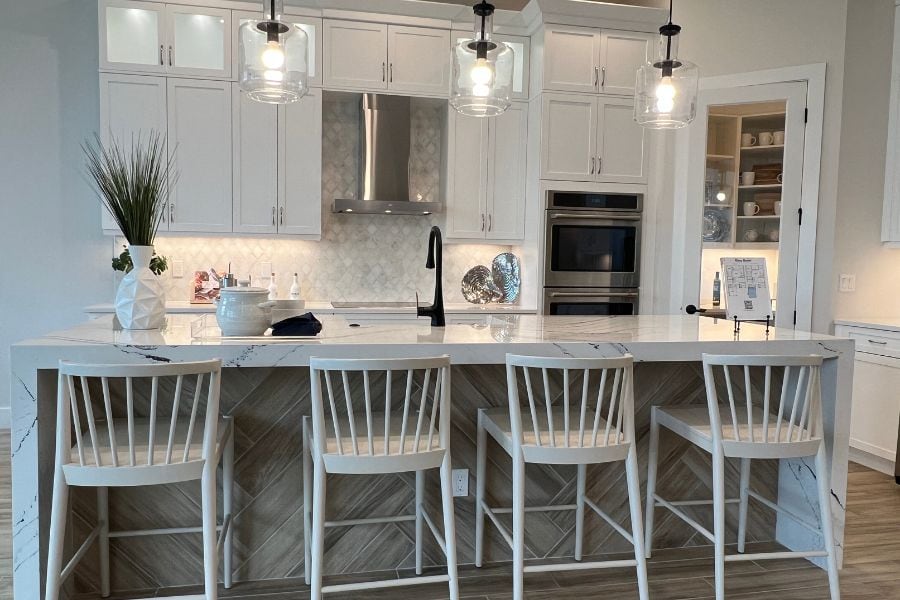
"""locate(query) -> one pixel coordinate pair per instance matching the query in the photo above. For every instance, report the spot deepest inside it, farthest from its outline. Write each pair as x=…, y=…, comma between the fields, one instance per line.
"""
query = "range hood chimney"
x=384, y=160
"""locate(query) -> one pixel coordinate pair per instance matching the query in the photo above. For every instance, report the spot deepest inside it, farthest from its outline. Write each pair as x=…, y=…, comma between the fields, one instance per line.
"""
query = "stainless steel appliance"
x=592, y=253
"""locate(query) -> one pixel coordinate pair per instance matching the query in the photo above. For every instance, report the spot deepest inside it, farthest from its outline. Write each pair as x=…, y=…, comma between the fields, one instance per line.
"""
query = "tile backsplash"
x=360, y=257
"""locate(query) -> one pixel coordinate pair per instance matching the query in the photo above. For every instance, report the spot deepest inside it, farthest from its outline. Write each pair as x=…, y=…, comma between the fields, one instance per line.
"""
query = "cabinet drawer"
x=873, y=340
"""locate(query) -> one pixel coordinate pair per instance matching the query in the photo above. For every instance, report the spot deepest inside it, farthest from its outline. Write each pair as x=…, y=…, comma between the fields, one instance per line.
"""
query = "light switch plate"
x=460, y=483
x=847, y=282
x=177, y=269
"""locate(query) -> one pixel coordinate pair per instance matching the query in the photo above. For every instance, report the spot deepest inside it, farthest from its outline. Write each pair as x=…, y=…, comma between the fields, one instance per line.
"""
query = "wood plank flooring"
x=871, y=570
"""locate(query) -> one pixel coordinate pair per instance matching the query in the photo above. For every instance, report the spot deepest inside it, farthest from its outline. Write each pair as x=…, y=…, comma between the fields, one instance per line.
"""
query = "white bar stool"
x=591, y=423
x=750, y=430
x=361, y=438
x=110, y=451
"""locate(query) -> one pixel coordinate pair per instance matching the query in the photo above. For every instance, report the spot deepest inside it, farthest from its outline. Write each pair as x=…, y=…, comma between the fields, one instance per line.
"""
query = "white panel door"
x=419, y=60
x=506, y=174
x=620, y=143
x=569, y=137
x=571, y=59
x=131, y=107
x=467, y=176
x=300, y=143
x=255, y=155
x=131, y=35
x=200, y=133
x=199, y=41
x=876, y=404
x=355, y=55
x=621, y=53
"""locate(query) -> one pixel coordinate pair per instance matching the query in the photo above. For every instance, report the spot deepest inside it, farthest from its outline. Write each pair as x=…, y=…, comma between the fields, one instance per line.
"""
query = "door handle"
x=596, y=76
x=391, y=73
x=482, y=221
x=281, y=215
x=171, y=212
x=592, y=165
x=165, y=209
x=162, y=61
x=273, y=215
x=877, y=342
x=382, y=71
x=599, y=164
x=170, y=56
x=490, y=222
x=603, y=78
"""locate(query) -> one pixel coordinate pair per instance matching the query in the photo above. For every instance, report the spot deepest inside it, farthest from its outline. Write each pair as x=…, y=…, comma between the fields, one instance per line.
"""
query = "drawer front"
x=873, y=340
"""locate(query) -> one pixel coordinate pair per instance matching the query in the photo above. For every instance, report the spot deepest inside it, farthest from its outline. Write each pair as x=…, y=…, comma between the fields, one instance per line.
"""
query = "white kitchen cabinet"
x=300, y=166
x=890, y=218
x=312, y=26
x=374, y=56
x=355, y=55
x=255, y=155
x=131, y=107
x=578, y=59
x=521, y=47
x=165, y=38
x=486, y=176
x=199, y=130
x=587, y=138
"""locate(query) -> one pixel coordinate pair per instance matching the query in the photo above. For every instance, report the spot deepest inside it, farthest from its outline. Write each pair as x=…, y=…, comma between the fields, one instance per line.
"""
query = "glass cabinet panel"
x=133, y=34
x=198, y=40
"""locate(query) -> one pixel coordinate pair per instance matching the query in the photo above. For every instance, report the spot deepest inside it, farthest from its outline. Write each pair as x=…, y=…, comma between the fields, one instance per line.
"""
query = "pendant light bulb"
x=665, y=95
x=273, y=55
x=482, y=72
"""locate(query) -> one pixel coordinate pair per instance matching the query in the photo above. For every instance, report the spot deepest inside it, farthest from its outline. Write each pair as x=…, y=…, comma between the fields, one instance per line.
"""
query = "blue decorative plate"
x=507, y=276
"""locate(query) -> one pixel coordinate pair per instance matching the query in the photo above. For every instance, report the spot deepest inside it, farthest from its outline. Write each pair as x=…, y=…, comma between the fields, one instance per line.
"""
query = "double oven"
x=592, y=251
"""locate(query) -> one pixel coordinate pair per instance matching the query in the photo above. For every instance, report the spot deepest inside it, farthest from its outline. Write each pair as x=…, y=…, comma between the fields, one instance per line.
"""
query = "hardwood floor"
x=871, y=569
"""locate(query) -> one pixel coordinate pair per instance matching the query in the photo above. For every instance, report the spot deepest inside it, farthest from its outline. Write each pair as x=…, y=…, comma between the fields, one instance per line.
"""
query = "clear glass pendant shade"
x=665, y=93
x=274, y=66
x=482, y=78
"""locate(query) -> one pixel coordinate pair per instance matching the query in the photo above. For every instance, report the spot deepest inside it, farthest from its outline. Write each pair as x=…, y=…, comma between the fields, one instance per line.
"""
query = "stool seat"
x=385, y=454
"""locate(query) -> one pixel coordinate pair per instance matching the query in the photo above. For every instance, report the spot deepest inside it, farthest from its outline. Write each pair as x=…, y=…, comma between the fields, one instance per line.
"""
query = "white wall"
x=735, y=36
x=54, y=258
x=857, y=248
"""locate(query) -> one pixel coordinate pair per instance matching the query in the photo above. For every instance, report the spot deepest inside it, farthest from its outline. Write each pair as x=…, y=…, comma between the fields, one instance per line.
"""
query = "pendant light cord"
x=669, y=38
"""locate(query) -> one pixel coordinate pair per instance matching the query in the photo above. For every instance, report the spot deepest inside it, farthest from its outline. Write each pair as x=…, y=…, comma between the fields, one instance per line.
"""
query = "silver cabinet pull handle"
x=164, y=211
x=273, y=215
x=170, y=56
x=877, y=342
x=599, y=164
x=590, y=295
x=382, y=71
x=596, y=77
x=490, y=222
x=592, y=165
x=603, y=79
x=171, y=212
x=391, y=73
x=482, y=221
x=281, y=215
x=162, y=61
x=601, y=217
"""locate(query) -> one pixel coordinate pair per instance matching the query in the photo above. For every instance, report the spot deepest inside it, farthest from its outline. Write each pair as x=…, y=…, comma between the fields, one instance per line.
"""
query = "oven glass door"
x=590, y=249
x=568, y=301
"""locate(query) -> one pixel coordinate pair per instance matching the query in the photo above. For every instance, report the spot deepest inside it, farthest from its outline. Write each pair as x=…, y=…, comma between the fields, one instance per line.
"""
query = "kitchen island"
x=265, y=387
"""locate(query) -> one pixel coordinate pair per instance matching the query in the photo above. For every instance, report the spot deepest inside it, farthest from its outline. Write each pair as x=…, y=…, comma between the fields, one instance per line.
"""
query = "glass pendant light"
x=273, y=60
x=665, y=93
x=482, y=70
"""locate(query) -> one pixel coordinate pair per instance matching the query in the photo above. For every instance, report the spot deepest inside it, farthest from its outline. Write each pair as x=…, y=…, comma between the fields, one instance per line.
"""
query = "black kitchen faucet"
x=435, y=261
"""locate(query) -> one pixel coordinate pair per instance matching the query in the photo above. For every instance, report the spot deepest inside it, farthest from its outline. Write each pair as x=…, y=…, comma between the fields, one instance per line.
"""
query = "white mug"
x=750, y=209
x=777, y=208
x=778, y=138
x=765, y=138
x=748, y=177
x=747, y=139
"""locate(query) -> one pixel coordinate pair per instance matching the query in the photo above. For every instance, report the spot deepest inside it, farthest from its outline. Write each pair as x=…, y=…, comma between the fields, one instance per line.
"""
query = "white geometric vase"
x=140, y=299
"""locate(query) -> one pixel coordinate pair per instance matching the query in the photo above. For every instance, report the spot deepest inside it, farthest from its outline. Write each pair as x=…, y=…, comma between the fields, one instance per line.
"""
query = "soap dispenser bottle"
x=273, y=288
x=295, y=288
x=717, y=290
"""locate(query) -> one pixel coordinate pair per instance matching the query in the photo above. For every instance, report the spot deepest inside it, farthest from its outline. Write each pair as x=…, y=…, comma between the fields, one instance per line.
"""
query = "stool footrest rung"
x=387, y=583
x=580, y=566
x=684, y=517
x=775, y=555
x=79, y=554
x=370, y=521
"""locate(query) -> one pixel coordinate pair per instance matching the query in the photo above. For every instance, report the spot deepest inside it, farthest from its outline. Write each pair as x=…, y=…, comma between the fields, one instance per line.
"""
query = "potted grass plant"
x=133, y=184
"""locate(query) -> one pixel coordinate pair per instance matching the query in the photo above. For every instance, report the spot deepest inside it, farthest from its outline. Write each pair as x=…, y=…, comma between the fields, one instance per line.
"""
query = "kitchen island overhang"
x=667, y=349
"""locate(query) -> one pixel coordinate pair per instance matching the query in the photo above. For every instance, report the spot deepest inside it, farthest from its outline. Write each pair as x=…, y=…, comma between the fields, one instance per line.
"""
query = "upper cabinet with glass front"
x=165, y=38
x=520, y=46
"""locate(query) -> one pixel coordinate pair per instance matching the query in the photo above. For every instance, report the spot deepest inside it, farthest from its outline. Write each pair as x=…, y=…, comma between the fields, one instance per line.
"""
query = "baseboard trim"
x=872, y=461
x=5, y=417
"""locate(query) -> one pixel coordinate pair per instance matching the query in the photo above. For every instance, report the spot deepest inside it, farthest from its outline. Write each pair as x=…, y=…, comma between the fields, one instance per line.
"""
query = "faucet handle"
x=417, y=298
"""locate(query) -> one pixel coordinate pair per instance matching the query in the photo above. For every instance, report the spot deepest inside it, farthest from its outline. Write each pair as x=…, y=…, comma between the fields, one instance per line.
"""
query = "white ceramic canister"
x=244, y=311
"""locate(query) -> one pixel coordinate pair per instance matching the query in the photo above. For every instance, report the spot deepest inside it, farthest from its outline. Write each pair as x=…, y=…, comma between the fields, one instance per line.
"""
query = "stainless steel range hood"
x=384, y=160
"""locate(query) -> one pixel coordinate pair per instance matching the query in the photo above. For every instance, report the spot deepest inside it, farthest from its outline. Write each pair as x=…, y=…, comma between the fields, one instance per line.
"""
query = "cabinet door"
x=571, y=59
x=506, y=174
x=569, y=137
x=131, y=36
x=620, y=143
x=876, y=405
x=131, y=106
x=300, y=143
x=311, y=25
x=621, y=53
x=355, y=55
x=255, y=128
x=419, y=60
x=466, y=176
x=200, y=132
x=199, y=41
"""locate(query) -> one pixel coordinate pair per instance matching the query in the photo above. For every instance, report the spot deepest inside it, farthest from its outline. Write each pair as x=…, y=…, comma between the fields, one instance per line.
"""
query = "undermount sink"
x=373, y=304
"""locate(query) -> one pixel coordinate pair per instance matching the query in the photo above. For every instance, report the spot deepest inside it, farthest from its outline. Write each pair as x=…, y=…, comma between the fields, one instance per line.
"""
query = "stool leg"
x=227, y=496
x=652, y=460
x=57, y=535
x=103, y=538
x=480, y=467
x=745, y=500
x=307, y=498
x=210, y=554
x=718, y=460
x=579, y=511
x=420, y=496
x=518, y=510
x=449, y=525
x=318, y=530
x=823, y=478
x=634, y=502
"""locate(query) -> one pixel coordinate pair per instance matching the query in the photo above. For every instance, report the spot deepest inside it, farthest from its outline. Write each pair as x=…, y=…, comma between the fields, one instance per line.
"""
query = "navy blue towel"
x=303, y=325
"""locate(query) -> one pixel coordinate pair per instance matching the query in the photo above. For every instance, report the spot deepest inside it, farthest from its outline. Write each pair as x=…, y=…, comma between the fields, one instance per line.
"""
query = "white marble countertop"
x=882, y=323
x=326, y=307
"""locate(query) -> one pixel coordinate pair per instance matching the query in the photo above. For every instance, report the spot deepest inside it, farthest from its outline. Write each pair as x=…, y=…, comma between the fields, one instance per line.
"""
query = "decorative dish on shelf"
x=716, y=225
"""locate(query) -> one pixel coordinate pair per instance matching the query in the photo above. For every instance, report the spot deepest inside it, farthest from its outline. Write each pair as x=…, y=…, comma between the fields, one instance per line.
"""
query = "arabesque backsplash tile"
x=360, y=257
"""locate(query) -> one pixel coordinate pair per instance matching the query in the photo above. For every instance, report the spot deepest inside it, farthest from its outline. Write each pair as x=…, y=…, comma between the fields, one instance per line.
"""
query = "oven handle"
x=593, y=295
x=605, y=217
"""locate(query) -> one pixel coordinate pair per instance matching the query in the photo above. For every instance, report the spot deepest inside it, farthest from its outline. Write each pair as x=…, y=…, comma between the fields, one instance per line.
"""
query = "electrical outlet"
x=460, y=483
x=265, y=270
x=177, y=269
x=847, y=283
